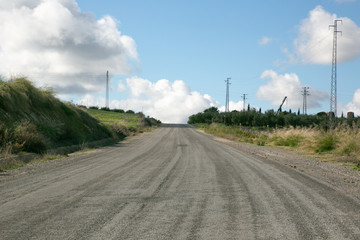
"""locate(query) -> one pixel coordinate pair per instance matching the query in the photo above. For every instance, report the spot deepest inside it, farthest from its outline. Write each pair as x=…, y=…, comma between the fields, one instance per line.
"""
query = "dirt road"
x=173, y=183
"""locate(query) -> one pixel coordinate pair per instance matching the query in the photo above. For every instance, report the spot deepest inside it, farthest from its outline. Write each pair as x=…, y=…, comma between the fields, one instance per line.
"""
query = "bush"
x=118, y=110
x=326, y=143
x=31, y=138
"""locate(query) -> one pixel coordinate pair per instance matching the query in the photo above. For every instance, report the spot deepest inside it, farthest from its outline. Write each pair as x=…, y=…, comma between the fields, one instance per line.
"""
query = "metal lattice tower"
x=107, y=89
x=305, y=93
x=333, y=93
x=227, y=95
x=244, y=99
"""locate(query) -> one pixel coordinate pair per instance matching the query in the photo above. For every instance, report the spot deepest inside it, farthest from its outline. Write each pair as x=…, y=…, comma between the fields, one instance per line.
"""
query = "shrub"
x=326, y=143
x=31, y=138
x=130, y=112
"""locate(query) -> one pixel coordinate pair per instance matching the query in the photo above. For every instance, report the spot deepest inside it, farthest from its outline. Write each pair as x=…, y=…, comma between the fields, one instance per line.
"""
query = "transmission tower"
x=107, y=89
x=227, y=95
x=244, y=99
x=333, y=94
x=305, y=93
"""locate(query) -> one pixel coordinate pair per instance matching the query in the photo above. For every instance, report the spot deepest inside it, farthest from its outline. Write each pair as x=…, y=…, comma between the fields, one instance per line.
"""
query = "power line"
x=333, y=94
x=227, y=95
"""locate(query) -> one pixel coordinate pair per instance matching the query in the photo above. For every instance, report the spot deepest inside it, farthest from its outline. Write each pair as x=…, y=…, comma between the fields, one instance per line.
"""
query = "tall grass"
x=341, y=143
x=34, y=120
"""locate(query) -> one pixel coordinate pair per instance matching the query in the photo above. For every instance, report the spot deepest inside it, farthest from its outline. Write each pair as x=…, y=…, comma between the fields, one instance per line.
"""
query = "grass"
x=11, y=162
x=123, y=124
x=33, y=120
x=340, y=145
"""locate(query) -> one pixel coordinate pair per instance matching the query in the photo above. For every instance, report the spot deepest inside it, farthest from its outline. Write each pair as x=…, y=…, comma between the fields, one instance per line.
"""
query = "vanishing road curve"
x=172, y=183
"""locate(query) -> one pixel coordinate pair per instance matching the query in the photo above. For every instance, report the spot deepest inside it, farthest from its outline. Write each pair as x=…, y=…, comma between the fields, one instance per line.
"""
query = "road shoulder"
x=339, y=176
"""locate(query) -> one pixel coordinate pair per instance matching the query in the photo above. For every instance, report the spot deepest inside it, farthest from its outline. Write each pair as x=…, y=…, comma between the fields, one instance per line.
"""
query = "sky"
x=170, y=59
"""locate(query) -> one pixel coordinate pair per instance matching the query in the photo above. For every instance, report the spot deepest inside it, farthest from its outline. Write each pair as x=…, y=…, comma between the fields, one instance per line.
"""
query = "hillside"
x=34, y=120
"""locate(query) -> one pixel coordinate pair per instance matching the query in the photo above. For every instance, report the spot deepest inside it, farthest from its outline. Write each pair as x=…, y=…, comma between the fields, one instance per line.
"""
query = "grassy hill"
x=33, y=120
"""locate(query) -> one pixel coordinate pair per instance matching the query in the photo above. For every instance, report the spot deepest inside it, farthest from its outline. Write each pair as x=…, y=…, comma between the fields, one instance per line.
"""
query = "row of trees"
x=255, y=118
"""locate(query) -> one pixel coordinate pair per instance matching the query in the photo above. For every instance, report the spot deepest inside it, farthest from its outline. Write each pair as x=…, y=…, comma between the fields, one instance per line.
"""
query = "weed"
x=357, y=166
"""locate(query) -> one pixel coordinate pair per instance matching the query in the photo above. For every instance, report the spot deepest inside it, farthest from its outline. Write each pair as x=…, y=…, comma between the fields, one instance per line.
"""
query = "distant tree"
x=118, y=110
x=211, y=110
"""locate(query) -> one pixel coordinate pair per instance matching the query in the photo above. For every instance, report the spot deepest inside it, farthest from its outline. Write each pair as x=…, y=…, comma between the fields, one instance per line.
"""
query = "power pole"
x=333, y=94
x=227, y=95
x=305, y=93
x=244, y=99
x=107, y=89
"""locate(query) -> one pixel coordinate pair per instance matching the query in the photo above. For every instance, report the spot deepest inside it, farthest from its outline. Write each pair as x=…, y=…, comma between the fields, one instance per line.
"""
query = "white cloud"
x=171, y=102
x=354, y=105
x=288, y=85
x=121, y=87
x=56, y=44
x=315, y=39
x=265, y=41
x=238, y=106
x=90, y=101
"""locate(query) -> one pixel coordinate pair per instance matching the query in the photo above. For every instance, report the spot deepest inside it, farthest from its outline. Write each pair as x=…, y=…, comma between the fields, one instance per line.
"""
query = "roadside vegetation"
x=122, y=123
x=33, y=120
x=336, y=140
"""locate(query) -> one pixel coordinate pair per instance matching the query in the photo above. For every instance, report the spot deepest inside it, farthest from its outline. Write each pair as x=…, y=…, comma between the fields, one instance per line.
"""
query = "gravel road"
x=173, y=183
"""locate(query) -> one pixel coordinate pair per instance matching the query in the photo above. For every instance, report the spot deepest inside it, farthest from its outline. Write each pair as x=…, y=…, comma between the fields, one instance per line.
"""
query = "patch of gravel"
x=340, y=176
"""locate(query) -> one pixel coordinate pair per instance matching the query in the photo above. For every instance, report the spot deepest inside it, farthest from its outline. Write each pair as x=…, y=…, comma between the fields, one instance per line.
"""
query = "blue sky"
x=269, y=49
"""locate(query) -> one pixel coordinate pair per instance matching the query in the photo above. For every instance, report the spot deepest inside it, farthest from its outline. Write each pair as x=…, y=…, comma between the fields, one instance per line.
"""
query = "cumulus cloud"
x=171, y=102
x=354, y=105
x=57, y=44
x=121, y=87
x=288, y=85
x=315, y=39
x=238, y=106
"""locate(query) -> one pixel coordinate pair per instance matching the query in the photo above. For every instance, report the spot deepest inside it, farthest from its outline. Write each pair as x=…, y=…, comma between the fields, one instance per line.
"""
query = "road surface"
x=173, y=183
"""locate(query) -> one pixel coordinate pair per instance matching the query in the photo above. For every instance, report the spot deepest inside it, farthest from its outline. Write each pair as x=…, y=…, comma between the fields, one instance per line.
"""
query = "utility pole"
x=244, y=99
x=227, y=95
x=333, y=94
x=107, y=90
x=305, y=93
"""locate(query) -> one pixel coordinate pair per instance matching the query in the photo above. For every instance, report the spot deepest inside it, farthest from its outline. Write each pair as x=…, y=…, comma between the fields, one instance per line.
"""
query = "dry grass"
x=340, y=145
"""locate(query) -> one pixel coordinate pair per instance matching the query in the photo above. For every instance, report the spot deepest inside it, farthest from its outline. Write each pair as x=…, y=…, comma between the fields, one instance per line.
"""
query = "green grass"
x=123, y=124
x=292, y=140
x=326, y=143
x=33, y=120
x=357, y=167
x=109, y=117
